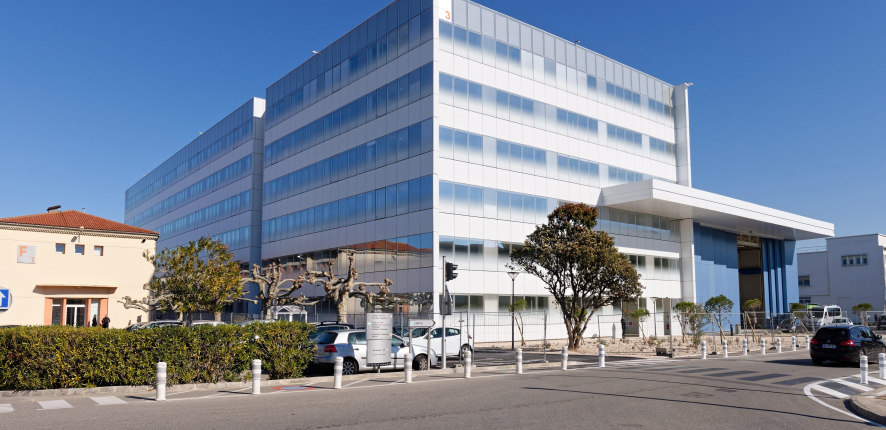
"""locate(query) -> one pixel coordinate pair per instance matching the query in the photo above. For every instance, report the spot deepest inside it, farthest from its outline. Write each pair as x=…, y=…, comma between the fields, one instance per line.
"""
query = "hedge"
x=36, y=358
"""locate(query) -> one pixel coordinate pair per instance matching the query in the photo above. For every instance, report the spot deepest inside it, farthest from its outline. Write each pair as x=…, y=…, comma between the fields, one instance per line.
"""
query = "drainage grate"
x=696, y=395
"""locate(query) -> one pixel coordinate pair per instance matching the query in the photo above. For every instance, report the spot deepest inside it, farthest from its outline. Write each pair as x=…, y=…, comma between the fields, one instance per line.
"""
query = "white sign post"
x=379, y=327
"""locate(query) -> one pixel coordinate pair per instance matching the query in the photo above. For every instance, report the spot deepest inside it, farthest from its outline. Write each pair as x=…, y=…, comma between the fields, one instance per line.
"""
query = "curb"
x=864, y=406
x=264, y=382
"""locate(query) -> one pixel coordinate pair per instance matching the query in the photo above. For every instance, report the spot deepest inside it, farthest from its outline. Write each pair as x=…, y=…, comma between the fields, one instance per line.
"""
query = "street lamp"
x=513, y=276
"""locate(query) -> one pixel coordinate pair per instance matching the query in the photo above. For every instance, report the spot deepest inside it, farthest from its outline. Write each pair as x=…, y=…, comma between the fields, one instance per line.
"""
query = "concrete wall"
x=121, y=271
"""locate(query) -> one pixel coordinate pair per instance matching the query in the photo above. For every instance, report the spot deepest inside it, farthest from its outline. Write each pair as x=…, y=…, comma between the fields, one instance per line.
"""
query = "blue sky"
x=788, y=107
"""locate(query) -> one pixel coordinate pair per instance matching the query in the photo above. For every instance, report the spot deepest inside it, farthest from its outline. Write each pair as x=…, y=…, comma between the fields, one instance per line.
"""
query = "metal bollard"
x=564, y=358
x=882, y=365
x=602, y=355
x=704, y=350
x=778, y=345
x=762, y=346
x=807, y=341
x=336, y=372
x=467, y=364
x=744, y=347
x=256, y=376
x=725, y=349
x=161, y=381
x=407, y=367
x=519, y=361
x=793, y=343
x=863, y=365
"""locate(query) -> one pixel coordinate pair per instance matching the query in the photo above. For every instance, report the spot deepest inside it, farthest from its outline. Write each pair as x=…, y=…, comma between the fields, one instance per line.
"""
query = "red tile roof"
x=75, y=219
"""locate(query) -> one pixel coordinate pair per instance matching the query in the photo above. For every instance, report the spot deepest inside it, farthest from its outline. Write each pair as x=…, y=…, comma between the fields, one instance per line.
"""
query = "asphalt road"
x=771, y=391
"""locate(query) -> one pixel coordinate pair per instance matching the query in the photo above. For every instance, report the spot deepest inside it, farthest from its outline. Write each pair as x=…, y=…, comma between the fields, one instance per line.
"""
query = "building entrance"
x=750, y=269
x=75, y=312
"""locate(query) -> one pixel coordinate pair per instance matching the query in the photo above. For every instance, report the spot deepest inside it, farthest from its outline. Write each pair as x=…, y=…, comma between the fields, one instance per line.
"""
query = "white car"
x=457, y=342
x=207, y=322
x=840, y=321
x=351, y=346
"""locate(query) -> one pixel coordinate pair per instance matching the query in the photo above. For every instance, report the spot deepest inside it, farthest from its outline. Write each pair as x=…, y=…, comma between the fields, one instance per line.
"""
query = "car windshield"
x=327, y=338
x=832, y=333
x=817, y=312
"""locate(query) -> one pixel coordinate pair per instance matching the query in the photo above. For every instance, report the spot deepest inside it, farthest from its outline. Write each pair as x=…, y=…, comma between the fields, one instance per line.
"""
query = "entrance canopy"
x=657, y=197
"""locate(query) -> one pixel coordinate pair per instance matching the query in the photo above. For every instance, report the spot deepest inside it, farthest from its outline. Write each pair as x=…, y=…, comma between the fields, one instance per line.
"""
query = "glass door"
x=93, y=314
x=75, y=312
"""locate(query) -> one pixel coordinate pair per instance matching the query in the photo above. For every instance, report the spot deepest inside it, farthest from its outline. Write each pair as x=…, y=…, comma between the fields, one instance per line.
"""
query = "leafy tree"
x=516, y=311
x=579, y=266
x=684, y=312
x=199, y=276
x=861, y=310
x=716, y=307
x=640, y=315
x=751, y=307
x=798, y=310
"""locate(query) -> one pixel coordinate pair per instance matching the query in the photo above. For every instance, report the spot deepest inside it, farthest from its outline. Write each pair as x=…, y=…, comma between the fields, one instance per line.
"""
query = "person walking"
x=106, y=322
x=94, y=321
x=624, y=327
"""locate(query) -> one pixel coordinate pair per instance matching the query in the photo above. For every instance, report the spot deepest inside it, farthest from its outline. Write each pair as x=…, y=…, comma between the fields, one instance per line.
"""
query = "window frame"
x=100, y=249
x=82, y=249
x=64, y=248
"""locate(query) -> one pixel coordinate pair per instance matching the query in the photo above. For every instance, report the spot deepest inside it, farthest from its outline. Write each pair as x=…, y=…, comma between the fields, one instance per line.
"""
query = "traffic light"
x=450, y=271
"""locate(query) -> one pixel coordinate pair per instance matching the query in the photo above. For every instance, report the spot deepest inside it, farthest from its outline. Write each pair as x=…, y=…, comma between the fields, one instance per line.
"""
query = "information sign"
x=379, y=327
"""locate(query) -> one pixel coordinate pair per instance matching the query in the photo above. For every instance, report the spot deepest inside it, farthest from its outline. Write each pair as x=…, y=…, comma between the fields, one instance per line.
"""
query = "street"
x=776, y=390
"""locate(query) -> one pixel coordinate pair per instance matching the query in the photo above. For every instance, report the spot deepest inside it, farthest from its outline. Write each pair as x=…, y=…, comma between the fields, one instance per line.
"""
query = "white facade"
x=832, y=280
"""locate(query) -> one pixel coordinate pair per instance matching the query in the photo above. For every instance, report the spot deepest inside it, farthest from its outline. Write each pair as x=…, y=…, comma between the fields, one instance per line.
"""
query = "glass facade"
x=463, y=199
x=224, y=209
x=408, y=89
x=627, y=223
x=396, y=30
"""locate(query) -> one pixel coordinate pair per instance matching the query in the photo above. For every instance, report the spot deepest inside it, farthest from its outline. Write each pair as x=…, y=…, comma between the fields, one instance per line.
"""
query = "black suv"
x=844, y=342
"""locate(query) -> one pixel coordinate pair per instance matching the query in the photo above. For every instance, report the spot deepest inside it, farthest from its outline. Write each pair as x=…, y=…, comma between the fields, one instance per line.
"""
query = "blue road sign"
x=4, y=299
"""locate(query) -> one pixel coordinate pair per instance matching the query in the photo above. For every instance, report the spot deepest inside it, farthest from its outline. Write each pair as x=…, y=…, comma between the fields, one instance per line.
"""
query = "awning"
x=657, y=197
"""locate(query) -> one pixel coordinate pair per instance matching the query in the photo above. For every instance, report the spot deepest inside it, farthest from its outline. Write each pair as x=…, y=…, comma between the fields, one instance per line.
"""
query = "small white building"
x=71, y=268
x=848, y=271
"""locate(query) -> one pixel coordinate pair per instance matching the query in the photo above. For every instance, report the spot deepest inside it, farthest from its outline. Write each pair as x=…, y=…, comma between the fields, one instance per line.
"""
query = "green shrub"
x=35, y=358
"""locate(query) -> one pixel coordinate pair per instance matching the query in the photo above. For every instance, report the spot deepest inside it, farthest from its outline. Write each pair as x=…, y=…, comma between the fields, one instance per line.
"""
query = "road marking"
x=697, y=370
x=798, y=381
x=762, y=377
x=54, y=404
x=397, y=381
x=5, y=408
x=355, y=382
x=109, y=400
x=735, y=373
x=853, y=385
x=829, y=391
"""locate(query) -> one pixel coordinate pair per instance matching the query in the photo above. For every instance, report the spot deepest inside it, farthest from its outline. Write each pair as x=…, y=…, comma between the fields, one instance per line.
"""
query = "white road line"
x=109, y=400
x=829, y=391
x=397, y=382
x=808, y=391
x=853, y=385
x=5, y=408
x=875, y=380
x=54, y=404
x=353, y=383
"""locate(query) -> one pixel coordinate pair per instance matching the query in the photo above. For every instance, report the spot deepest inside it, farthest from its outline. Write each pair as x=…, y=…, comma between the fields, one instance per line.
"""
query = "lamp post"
x=513, y=276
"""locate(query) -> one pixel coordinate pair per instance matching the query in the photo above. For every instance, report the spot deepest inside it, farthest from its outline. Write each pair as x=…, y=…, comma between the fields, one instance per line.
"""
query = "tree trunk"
x=341, y=308
x=217, y=315
x=720, y=325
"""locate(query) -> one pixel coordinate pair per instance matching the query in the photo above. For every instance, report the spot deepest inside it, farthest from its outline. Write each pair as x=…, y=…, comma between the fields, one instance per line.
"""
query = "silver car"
x=207, y=322
x=351, y=346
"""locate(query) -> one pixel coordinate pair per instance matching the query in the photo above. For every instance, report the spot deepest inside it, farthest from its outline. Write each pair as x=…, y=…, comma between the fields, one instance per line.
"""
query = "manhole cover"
x=293, y=388
x=696, y=395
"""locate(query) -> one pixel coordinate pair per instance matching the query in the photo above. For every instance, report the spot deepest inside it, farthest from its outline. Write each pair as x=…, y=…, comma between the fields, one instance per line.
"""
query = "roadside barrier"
x=467, y=360
x=793, y=343
x=778, y=345
x=407, y=367
x=744, y=347
x=256, y=376
x=882, y=365
x=564, y=358
x=519, y=361
x=863, y=366
x=704, y=350
x=336, y=372
x=807, y=341
x=161, y=382
x=725, y=350
x=763, y=346
x=602, y=355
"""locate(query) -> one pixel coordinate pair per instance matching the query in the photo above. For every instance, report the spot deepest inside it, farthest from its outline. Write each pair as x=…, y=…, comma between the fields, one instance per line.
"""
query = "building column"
x=681, y=134
x=687, y=261
x=47, y=311
x=88, y=318
x=64, y=320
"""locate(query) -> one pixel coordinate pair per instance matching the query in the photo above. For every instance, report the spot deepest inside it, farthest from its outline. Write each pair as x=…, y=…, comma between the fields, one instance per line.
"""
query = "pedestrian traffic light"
x=450, y=271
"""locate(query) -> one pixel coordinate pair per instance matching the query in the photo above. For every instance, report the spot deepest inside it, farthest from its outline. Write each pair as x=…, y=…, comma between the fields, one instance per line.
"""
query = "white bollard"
x=725, y=349
x=807, y=341
x=863, y=365
x=762, y=346
x=704, y=350
x=602, y=355
x=744, y=347
x=793, y=343
x=564, y=358
x=336, y=372
x=519, y=361
x=882, y=365
x=407, y=367
x=161, y=382
x=256, y=376
x=778, y=345
x=467, y=364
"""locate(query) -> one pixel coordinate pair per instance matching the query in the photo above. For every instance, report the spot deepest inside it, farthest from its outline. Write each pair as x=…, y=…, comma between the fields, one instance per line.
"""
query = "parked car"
x=844, y=342
x=326, y=326
x=840, y=321
x=136, y=326
x=162, y=323
x=243, y=323
x=881, y=322
x=207, y=322
x=351, y=346
x=790, y=325
x=457, y=342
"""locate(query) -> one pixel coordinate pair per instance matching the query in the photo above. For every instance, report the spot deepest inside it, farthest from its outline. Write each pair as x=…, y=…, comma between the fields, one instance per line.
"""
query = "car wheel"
x=349, y=367
x=464, y=348
x=420, y=362
x=817, y=361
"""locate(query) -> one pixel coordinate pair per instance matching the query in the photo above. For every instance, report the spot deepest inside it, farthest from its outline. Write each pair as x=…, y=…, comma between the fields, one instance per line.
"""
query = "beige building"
x=71, y=268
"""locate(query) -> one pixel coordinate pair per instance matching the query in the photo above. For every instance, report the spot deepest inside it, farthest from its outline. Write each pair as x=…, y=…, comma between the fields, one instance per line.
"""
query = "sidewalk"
x=871, y=406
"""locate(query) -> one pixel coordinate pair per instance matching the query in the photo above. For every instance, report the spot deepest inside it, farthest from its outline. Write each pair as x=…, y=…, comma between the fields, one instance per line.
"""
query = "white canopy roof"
x=657, y=197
